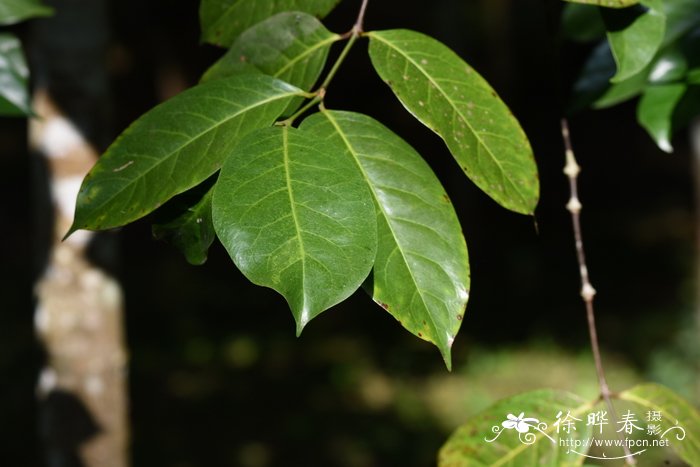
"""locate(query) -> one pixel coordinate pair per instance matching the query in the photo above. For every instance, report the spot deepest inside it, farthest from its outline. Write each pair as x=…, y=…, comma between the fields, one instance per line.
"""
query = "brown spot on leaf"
x=459, y=317
x=383, y=305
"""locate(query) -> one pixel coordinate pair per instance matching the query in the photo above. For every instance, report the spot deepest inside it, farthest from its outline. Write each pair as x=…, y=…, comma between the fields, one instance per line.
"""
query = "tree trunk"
x=79, y=317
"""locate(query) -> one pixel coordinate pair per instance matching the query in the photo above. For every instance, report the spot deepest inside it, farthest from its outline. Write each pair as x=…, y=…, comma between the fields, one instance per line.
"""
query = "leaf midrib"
x=297, y=227
x=355, y=156
x=464, y=119
x=176, y=151
x=330, y=40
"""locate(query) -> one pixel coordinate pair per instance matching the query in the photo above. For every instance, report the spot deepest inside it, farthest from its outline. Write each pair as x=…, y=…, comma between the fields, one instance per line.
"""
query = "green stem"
x=320, y=93
x=341, y=58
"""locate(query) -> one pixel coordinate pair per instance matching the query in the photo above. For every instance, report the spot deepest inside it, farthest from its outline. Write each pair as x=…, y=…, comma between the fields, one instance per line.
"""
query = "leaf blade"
x=655, y=112
x=186, y=223
x=224, y=20
x=468, y=446
x=14, y=95
x=14, y=11
x=450, y=98
x=606, y=3
x=635, y=36
x=294, y=216
x=175, y=146
x=659, y=398
x=420, y=225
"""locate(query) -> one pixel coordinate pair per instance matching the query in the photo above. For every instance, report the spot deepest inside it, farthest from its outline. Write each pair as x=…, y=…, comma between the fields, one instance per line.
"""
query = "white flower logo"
x=519, y=423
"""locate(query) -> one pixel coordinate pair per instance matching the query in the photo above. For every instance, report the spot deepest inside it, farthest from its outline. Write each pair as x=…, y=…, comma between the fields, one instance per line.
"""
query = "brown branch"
x=572, y=170
x=360, y=23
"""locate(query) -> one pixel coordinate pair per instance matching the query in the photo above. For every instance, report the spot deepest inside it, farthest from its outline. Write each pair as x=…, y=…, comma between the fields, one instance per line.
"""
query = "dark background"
x=216, y=374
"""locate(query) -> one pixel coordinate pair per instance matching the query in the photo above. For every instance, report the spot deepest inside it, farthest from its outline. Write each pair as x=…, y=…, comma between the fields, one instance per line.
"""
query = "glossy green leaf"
x=14, y=95
x=681, y=17
x=176, y=146
x=186, y=223
x=606, y=3
x=421, y=273
x=679, y=421
x=582, y=23
x=295, y=215
x=291, y=46
x=14, y=11
x=222, y=21
x=635, y=35
x=485, y=441
x=655, y=112
x=450, y=97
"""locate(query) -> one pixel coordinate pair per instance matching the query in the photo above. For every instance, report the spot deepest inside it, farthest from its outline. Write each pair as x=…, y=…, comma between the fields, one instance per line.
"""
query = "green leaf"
x=449, y=97
x=176, y=146
x=635, y=36
x=14, y=11
x=295, y=215
x=484, y=441
x=14, y=96
x=606, y=3
x=675, y=412
x=655, y=112
x=291, y=46
x=421, y=273
x=185, y=222
x=582, y=23
x=681, y=17
x=223, y=20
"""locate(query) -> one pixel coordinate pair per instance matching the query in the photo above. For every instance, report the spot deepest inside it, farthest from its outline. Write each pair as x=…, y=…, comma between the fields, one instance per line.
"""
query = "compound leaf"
x=421, y=273
x=222, y=21
x=175, y=146
x=449, y=97
x=295, y=215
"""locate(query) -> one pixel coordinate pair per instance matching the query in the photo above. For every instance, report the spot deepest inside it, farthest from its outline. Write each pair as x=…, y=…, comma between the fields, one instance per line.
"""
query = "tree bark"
x=79, y=313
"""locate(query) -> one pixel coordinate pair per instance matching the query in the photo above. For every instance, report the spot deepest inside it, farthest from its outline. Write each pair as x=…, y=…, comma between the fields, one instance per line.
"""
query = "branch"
x=572, y=169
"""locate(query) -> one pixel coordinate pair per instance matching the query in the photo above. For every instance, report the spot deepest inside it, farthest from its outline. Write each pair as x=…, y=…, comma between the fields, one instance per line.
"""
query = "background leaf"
x=655, y=112
x=450, y=98
x=185, y=222
x=223, y=20
x=673, y=408
x=582, y=22
x=635, y=35
x=421, y=273
x=606, y=3
x=468, y=446
x=295, y=215
x=176, y=146
x=14, y=96
x=14, y=11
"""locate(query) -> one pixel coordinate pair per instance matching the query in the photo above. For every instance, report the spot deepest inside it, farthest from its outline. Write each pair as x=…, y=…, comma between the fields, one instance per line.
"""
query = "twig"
x=572, y=169
x=360, y=23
